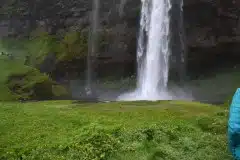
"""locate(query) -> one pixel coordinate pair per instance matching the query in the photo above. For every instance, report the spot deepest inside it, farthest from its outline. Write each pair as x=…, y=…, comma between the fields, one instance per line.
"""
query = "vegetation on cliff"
x=27, y=69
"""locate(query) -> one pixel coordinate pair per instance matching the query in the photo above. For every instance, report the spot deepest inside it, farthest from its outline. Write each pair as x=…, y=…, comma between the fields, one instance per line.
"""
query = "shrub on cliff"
x=73, y=45
x=39, y=45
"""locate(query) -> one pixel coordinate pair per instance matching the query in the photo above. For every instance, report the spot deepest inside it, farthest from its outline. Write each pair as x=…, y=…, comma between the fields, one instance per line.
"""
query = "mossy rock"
x=33, y=85
x=8, y=68
x=60, y=92
x=30, y=86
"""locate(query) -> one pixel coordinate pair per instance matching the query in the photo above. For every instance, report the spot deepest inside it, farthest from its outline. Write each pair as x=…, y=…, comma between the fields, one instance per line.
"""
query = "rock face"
x=212, y=29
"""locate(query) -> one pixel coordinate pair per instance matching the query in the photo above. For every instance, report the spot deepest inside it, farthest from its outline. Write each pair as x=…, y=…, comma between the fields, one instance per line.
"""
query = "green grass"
x=168, y=130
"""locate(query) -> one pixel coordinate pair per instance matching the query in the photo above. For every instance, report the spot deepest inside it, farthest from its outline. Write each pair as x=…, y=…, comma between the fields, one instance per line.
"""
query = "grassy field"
x=63, y=130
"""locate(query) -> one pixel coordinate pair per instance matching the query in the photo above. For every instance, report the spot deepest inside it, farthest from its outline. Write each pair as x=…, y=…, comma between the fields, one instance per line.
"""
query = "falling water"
x=92, y=45
x=183, y=43
x=121, y=7
x=178, y=48
x=153, y=75
x=153, y=52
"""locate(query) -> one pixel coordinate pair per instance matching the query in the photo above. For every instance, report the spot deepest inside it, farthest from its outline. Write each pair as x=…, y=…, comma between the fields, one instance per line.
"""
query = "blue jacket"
x=234, y=126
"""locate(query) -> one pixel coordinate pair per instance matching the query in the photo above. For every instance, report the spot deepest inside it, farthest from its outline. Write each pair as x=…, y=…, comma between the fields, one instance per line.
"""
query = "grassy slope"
x=113, y=131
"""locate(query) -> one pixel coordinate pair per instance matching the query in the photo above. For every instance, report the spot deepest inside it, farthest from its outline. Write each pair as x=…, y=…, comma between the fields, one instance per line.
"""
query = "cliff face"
x=213, y=31
x=212, y=27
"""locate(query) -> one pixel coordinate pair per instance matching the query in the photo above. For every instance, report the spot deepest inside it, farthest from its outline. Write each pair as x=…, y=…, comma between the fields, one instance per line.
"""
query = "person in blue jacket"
x=234, y=126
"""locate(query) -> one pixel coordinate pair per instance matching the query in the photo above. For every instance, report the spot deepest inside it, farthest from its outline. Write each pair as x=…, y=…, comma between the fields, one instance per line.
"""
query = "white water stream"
x=153, y=52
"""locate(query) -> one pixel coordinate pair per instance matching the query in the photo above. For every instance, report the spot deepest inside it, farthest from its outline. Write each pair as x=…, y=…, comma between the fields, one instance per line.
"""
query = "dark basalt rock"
x=209, y=25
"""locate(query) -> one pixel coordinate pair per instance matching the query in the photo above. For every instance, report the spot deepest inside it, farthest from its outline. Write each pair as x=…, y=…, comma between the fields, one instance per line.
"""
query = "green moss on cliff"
x=70, y=45
x=39, y=45
x=73, y=45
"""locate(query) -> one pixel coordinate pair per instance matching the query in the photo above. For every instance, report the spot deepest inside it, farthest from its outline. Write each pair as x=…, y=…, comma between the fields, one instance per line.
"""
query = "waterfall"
x=183, y=43
x=92, y=46
x=153, y=74
x=121, y=7
x=153, y=52
x=178, y=48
